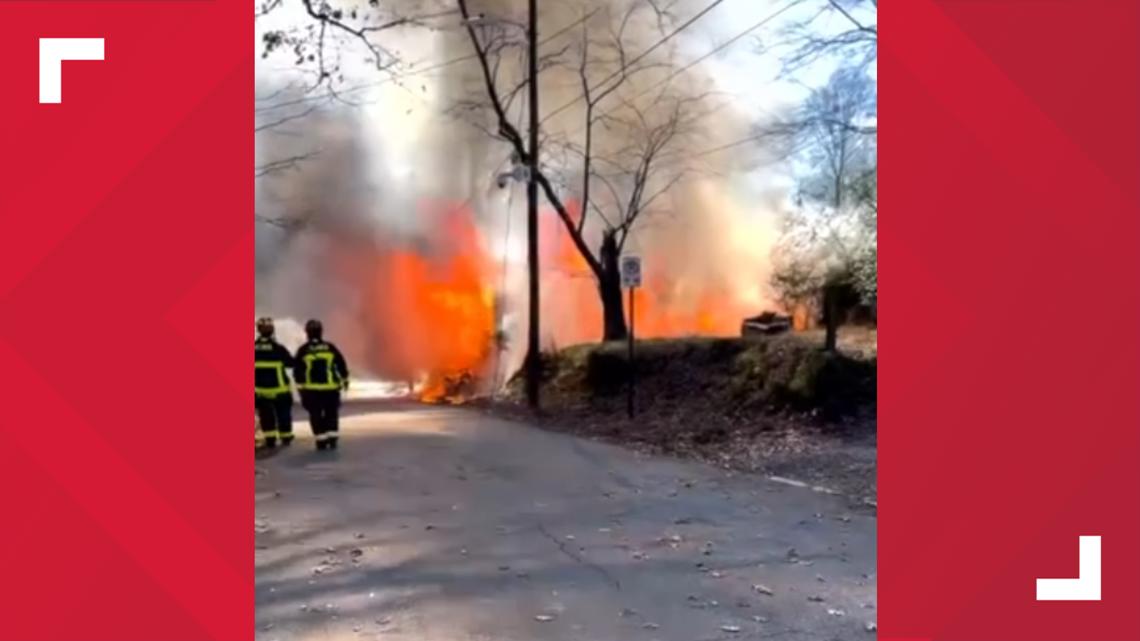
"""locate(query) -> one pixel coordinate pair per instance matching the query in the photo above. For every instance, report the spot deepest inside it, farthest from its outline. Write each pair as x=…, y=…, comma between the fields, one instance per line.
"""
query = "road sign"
x=630, y=271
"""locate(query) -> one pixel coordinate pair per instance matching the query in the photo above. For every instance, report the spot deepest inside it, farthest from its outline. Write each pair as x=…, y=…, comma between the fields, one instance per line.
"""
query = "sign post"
x=631, y=280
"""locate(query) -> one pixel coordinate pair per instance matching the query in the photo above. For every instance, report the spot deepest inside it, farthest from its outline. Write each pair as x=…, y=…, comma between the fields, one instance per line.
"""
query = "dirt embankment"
x=773, y=405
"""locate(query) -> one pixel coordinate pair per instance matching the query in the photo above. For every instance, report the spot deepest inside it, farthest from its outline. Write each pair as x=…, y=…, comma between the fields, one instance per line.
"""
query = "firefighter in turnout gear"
x=273, y=396
x=321, y=373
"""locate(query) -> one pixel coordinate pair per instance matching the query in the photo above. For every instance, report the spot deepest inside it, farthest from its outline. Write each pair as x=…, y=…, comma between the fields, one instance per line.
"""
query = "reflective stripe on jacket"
x=319, y=366
x=270, y=364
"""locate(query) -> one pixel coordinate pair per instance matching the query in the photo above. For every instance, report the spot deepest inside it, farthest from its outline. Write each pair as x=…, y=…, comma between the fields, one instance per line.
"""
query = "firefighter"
x=321, y=373
x=272, y=394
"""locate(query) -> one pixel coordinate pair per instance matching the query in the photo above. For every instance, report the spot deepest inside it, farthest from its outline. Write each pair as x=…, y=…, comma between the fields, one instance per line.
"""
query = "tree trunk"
x=609, y=289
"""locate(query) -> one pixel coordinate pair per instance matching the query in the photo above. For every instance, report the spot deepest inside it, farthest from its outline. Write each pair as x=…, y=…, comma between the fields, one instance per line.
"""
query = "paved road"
x=444, y=524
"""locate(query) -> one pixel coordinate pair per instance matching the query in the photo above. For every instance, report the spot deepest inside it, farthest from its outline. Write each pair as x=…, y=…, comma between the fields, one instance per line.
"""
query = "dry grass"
x=778, y=405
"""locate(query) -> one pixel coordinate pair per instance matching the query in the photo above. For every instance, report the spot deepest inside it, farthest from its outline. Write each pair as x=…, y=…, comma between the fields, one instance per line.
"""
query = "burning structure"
x=391, y=222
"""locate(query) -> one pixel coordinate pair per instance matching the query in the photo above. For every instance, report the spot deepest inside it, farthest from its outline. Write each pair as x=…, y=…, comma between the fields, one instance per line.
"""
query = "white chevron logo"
x=1086, y=587
x=53, y=51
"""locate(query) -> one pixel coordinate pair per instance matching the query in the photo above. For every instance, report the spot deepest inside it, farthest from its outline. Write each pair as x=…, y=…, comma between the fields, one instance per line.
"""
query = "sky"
x=751, y=78
x=740, y=68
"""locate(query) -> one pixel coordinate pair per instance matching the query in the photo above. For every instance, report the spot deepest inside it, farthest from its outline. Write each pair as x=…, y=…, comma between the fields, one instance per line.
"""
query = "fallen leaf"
x=815, y=598
x=763, y=589
x=730, y=628
x=545, y=618
x=835, y=613
x=871, y=626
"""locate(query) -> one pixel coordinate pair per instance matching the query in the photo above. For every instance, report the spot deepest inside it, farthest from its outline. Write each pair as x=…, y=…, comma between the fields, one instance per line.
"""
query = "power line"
x=743, y=141
x=721, y=47
x=413, y=72
x=713, y=52
x=688, y=23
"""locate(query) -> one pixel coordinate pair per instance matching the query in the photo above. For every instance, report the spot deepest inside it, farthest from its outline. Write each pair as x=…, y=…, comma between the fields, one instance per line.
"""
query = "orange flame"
x=437, y=305
x=440, y=308
x=666, y=305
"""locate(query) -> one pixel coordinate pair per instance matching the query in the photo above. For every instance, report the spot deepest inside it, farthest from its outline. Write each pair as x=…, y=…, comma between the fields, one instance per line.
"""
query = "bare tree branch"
x=283, y=164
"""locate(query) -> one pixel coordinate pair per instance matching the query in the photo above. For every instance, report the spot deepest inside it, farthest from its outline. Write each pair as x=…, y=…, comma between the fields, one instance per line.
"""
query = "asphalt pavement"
x=447, y=524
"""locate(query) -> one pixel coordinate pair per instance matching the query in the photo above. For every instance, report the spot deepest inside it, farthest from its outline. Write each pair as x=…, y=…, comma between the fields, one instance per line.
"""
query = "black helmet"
x=265, y=327
x=313, y=329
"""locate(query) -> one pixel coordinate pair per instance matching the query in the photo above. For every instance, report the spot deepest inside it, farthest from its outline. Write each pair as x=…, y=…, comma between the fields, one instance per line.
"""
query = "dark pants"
x=276, y=416
x=323, y=407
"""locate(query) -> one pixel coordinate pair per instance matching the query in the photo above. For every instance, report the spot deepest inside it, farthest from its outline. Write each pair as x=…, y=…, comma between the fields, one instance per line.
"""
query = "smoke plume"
x=392, y=228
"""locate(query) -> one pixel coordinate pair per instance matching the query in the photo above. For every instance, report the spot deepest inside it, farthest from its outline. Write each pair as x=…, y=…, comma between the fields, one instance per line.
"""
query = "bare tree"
x=633, y=176
x=837, y=135
x=620, y=186
x=316, y=41
x=843, y=29
x=829, y=246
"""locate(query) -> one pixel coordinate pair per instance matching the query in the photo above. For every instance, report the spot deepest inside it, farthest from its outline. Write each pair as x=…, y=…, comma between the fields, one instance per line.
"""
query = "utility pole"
x=533, y=357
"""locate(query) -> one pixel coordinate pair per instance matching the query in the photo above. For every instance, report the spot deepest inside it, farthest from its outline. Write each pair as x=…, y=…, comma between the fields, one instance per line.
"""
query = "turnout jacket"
x=319, y=365
x=271, y=362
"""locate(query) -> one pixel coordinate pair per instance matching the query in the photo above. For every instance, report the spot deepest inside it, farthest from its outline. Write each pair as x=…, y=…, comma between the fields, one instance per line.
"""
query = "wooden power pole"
x=533, y=356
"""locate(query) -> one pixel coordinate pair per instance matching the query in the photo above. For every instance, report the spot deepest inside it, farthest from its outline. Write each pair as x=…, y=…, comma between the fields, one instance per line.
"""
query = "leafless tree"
x=316, y=44
x=830, y=244
x=620, y=186
x=633, y=176
x=845, y=29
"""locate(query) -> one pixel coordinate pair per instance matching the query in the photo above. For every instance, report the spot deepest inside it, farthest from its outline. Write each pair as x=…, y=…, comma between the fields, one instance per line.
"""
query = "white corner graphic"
x=53, y=51
x=1086, y=587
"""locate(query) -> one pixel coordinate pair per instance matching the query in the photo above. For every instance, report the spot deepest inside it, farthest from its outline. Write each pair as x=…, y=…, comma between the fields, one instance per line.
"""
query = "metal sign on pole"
x=630, y=272
x=631, y=280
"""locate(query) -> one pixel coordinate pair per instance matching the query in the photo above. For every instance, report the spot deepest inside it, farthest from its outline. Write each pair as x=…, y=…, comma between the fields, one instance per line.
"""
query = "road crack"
x=578, y=559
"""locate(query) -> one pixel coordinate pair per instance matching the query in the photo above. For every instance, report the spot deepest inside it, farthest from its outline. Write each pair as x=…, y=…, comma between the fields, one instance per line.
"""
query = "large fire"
x=699, y=279
x=441, y=306
x=441, y=302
